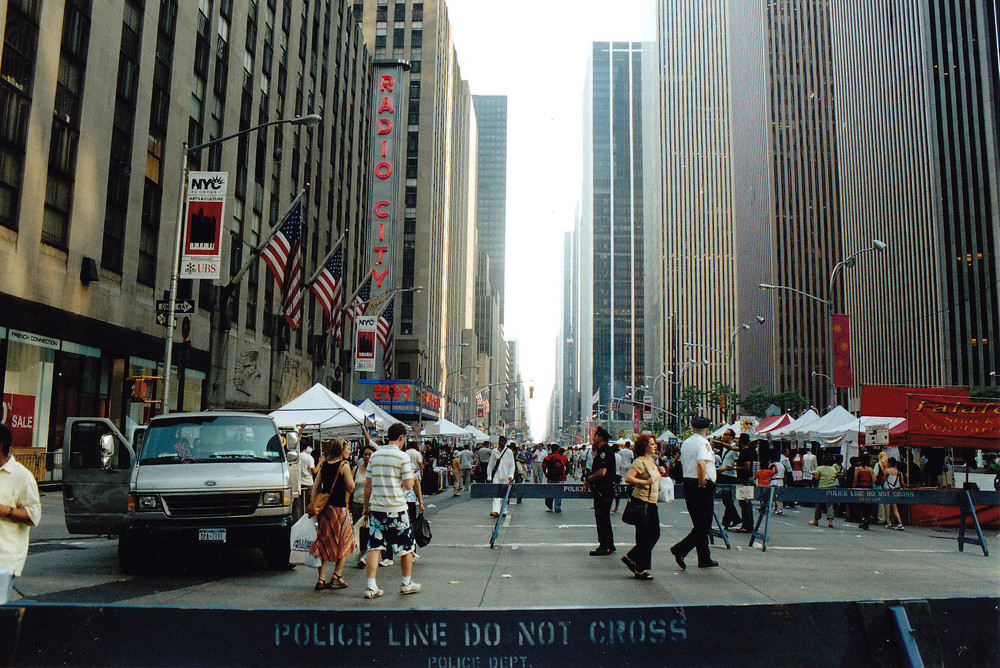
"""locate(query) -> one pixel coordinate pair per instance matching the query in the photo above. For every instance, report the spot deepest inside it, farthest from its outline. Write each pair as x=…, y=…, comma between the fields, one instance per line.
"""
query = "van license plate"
x=211, y=535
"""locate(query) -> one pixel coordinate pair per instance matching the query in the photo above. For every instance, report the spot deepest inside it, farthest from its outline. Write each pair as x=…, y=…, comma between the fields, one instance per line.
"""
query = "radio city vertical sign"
x=388, y=130
x=206, y=203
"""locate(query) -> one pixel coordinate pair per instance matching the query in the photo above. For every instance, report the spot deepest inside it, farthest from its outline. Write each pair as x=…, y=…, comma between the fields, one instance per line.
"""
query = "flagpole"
x=322, y=263
x=356, y=291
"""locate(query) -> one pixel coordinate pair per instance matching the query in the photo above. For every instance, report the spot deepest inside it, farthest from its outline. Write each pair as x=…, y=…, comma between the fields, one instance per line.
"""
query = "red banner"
x=953, y=423
x=890, y=400
x=19, y=416
x=840, y=339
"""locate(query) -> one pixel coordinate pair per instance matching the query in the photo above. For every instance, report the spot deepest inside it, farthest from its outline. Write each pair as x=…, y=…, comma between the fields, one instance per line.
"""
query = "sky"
x=535, y=53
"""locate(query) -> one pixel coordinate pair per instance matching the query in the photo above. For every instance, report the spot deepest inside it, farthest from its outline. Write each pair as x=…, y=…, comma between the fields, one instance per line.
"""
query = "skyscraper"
x=491, y=188
x=613, y=352
x=918, y=139
x=439, y=240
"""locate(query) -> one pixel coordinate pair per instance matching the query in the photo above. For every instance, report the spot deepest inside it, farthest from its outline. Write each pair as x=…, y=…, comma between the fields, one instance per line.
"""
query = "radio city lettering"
x=384, y=181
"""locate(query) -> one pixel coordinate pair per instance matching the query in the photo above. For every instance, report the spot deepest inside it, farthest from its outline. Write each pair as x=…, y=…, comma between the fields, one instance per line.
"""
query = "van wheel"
x=134, y=555
x=278, y=552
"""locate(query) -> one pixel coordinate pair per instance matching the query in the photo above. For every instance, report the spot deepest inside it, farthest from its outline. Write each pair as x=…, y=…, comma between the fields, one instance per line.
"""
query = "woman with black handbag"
x=641, y=510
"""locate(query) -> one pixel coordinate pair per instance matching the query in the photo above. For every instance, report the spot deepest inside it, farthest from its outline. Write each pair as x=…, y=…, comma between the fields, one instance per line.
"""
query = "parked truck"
x=212, y=478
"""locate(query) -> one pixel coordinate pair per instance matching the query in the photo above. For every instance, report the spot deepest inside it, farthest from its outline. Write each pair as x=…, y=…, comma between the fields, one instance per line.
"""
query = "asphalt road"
x=540, y=561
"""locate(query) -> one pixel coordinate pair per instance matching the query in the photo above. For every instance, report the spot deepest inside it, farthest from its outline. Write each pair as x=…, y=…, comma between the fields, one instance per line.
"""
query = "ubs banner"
x=206, y=202
x=385, y=177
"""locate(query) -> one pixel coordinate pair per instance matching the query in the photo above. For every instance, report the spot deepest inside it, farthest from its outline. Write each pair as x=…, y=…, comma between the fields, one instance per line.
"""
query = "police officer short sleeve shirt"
x=694, y=449
x=604, y=459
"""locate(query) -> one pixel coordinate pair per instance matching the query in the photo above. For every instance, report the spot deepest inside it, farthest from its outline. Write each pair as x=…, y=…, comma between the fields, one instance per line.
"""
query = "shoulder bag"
x=318, y=503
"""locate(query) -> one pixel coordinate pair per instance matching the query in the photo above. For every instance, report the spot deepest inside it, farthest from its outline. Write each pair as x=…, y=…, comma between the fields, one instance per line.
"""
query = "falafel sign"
x=952, y=422
x=206, y=203
x=388, y=127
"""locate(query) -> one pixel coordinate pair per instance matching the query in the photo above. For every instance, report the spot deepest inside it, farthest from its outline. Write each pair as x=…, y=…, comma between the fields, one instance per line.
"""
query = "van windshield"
x=211, y=438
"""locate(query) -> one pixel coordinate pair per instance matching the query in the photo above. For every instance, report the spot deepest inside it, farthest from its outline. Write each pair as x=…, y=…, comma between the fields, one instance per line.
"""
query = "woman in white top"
x=645, y=475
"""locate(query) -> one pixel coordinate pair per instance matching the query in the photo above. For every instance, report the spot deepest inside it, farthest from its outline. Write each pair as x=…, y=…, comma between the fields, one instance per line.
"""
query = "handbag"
x=635, y=511
x=320, y=500
x=421, y=530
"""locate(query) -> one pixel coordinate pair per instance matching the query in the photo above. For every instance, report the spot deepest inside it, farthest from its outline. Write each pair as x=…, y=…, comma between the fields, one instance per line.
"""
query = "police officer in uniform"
x=698, y=464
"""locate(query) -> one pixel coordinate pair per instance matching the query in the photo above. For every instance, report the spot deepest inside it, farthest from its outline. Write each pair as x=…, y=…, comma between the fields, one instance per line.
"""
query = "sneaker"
x=411, y=588
x=898, y=527
x=385, y=562
x=415, y=556
x=373, y=593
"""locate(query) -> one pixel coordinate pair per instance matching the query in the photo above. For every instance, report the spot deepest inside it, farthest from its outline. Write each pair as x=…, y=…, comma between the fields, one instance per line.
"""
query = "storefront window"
x=27, y=390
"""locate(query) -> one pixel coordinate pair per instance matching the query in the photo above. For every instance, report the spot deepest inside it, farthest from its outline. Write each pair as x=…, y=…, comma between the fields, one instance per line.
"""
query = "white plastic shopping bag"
x=303, y=535
x=666, y=490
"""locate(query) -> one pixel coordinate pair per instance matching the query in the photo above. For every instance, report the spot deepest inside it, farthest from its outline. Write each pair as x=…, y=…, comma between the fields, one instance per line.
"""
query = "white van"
x=204, y=478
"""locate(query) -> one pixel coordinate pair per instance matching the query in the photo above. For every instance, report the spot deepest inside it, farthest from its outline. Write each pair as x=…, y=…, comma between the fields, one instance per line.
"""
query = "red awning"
x=772, y=423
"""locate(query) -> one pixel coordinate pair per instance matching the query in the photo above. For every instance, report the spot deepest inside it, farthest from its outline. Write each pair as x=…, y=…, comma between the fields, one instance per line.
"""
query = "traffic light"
x=143, y=389
x=531, y=391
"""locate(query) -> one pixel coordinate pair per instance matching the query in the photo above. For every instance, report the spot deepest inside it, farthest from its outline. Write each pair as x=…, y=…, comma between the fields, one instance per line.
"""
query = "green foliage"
x=756, y=401
x=721, y=395
x=688, y=405
x=986, y=393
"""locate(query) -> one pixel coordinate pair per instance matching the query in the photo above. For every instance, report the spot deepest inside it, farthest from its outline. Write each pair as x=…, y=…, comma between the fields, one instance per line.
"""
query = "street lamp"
x=850, y=261
x=310, y=120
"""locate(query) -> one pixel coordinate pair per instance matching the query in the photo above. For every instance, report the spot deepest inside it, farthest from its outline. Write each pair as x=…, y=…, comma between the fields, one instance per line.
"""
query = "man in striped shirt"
x=388, y=477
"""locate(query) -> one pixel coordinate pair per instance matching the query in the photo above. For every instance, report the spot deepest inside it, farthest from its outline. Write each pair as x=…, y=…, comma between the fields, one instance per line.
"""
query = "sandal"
x=321, y=585
x=629, y=563
x=643, y=575
x=337, y=582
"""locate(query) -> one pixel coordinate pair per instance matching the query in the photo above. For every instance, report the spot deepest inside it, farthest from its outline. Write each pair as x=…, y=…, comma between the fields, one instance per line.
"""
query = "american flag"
x=383, y=332
x=284, y=257
x=360, y=302
x=329, y=290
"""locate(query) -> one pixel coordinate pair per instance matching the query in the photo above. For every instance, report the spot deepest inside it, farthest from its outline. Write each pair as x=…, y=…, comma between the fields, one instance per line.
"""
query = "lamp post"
x=850, y=261
x=311, y=119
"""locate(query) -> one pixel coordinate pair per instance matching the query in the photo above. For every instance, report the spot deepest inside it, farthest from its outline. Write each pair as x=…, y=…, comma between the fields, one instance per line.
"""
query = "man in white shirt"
x=466, y=460
x=306, y=466
x=388, y=477
x=501, y=470
x=536, y=463
x=20, y=507
x=698, y=465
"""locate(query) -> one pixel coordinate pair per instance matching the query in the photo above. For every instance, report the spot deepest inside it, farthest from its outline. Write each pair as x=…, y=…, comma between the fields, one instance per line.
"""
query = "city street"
x=541, y=560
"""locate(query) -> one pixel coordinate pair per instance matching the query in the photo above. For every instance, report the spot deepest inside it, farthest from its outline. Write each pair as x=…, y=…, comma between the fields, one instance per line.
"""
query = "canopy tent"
x=382, y=419
x=852, y=435
x=788, y=431
x=666, y=436
x=476, y=434
x=722, y=430
x=837, y=421
x=444, y=427
x=769, y=424
x=321, y=410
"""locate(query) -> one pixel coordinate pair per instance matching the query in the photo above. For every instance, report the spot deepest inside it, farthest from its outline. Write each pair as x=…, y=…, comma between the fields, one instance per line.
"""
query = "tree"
x=791, y=401
x=986, y=393
x=722, y=395
x=756, y=401
x=688, y=405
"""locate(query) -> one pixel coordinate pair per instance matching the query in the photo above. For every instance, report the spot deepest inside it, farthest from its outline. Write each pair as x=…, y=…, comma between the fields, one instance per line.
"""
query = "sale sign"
x=952, y=423
x=364, y=343
x=206, y=203
x=19, y=416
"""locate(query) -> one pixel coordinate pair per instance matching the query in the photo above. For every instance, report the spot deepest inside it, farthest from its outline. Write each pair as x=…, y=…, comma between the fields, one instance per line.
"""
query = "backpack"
x=556, y=469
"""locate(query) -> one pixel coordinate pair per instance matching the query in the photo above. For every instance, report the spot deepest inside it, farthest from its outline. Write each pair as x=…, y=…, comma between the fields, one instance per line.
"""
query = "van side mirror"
x=292, y=441
x=107, y=451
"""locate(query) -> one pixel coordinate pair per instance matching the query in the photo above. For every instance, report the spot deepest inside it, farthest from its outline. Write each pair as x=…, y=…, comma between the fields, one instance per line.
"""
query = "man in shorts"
x=388, y=477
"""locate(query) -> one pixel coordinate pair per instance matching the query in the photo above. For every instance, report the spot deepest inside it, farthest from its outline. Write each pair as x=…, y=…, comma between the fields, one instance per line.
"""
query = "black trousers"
x=602, y=517
x=647, y=533
x=699, y=502
x=731, y=515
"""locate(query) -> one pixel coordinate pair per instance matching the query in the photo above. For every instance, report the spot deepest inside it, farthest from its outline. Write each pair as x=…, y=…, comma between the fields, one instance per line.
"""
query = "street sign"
x=180, y=306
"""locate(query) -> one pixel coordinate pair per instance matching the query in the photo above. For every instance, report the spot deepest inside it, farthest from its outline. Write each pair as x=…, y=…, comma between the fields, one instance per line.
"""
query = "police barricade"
x=954, y=631
x=966, y=500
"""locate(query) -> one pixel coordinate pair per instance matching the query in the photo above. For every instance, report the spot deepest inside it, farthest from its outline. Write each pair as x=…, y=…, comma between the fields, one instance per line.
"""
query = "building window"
x=416, y=39
x=418, y=11
x=379, y=41
x=381, y=14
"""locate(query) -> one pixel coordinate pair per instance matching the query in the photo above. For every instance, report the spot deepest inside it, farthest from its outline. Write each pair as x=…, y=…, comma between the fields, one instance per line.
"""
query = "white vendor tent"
x=837, y=421
x=666, y=436
x=382, y=419
x=476, y=434
x=722, y=430
x=788, y=431
x=319, y=409
x=444, y=427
